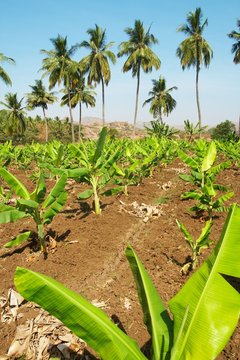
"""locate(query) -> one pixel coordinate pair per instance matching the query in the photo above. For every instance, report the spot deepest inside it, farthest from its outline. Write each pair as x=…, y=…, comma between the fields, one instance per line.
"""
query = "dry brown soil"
x=89, y=257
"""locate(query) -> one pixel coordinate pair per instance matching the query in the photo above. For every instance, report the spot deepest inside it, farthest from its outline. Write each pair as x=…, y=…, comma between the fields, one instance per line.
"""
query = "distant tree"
x=14, y=115
x=139, y=54
x=96, y=64
x=39, y=97
x=3, y=75
x=224, y=131
x=61, y=68
x=236, y=46
x=194, y=50
x=80, y=94
x=161, y=101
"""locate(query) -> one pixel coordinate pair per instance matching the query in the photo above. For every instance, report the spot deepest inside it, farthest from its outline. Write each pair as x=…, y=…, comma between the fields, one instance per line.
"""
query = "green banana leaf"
x=203, y=238
x=186, y=234
x=40, y=191
x=55, y=207
x=191, y=195
x=18, y=239
x=71, y=173
x=210, y=157
x=56, y=191
x=100, y=145
x=156, y=318
x=85, y=320
x=222, y=199
x=10, y=214
x=15, y=184
x=188, y=178
x=214, y=305
x=27, y=203
x=85, y=194
x=188, y=159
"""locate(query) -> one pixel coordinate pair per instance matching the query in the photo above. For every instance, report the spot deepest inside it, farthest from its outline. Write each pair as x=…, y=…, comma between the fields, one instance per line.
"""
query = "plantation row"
x=108, y=167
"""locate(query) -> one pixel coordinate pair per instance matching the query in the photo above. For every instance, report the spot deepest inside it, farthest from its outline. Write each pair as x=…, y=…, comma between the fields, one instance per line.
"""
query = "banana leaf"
x=156, y=318
x=188, y=160
x=40, y=191
x=210, y=157
x=186, y=234
x=214, y=304
x=85, y=194
x=222, y=199
x=188, y=178
x=56, y=191
x=55, y=207
x=11, y=214
x=18, y=239
x=15, y=184
x=85, y=320
x=71, y=173
x=100, y=145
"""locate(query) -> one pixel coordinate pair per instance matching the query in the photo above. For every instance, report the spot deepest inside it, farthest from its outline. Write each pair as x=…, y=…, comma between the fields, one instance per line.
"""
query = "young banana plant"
x=203, y=174
x=197, y=245
x=205, y=312
x=99, y=168
x=35, y=205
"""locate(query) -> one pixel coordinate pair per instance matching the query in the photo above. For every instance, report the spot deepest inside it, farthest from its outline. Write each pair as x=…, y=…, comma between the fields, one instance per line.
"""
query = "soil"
x=89, y=257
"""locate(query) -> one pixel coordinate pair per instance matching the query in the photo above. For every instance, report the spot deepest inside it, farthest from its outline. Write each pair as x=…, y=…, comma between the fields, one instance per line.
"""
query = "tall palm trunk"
x=80, y=121
x=160, y=118
x=197, y=97
x=46, y=125
x=137, y=95
x=197, y=92
x=103, y=103
x=71, y=117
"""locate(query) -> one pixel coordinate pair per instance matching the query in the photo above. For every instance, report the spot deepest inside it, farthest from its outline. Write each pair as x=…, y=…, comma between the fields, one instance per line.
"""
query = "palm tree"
x=139, y=53
x=61, y=68
x=80, y=94
x=96, y=63
x=3, y=75
x=236, y=46
x=15, y=114
x=161, y=101
x=194, y=50
x=39, y=97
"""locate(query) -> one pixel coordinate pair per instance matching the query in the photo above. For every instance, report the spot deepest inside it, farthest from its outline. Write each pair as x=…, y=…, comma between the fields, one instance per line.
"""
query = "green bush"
x=225, y=131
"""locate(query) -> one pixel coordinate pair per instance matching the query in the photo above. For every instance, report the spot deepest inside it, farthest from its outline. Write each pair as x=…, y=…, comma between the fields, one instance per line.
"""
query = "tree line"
x=79, y=77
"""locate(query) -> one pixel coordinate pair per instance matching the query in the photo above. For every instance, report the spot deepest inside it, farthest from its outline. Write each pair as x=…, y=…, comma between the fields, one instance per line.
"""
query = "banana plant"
x=192, y=130
x=99, y=168
x=208, y=200
x=35, y=205
x=205, y=312
x=203, y=175
x=203, y=242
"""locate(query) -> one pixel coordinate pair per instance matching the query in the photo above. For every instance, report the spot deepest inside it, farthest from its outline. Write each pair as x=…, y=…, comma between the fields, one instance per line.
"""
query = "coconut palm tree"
x=194, y=50
x=236, y=46
x=14, y=114
x=161, y=101
x=39, y=97
x=96, y=64
x=3, y=75
x=139, y=54
x=61, y=68
x=80, y=94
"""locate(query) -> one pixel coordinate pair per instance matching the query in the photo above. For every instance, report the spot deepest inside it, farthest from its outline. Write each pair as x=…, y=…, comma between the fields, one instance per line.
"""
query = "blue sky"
x=27, y=26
